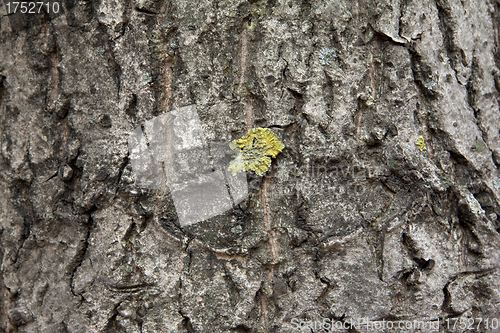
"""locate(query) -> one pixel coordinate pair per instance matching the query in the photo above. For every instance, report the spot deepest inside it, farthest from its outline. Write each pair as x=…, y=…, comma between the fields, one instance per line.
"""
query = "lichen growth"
x=255, y=150
x=421, y=143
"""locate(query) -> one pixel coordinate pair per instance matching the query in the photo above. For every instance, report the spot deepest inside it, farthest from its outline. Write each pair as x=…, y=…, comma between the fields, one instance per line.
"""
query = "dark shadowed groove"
x=471, y=101
x=167, y=60
x=79, y=256
x=2, y=90
x=186, y=321
x=420, y=72
x=447, y=27
x=24, y=206
x=495, y=19
x=116, y=70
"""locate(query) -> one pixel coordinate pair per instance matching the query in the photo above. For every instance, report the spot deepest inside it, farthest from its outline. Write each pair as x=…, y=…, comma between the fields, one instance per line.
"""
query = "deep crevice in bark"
x=79, y=256
x=447, y=26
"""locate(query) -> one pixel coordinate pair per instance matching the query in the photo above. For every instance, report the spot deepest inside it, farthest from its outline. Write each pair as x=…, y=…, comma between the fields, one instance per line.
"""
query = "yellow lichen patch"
x=421, y=143
x=255, y=151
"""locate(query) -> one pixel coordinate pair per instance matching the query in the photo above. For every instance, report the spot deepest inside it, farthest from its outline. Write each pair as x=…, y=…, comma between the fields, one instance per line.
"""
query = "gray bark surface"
x=353, y=220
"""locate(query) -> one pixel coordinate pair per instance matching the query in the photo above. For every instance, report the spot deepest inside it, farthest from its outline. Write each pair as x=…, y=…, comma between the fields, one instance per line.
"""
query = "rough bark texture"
x=353, y=220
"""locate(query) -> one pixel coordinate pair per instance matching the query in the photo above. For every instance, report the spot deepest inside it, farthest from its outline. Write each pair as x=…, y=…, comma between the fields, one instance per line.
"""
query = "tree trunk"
x=382, y=205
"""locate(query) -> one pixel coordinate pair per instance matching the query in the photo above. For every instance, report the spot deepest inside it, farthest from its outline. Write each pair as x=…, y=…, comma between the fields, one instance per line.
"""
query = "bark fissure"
x=242, y=85
x=79, y=257
x=166, y=59
x=447, y=26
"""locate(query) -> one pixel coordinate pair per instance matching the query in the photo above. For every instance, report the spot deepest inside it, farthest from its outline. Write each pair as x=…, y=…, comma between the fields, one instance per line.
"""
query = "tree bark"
x=382, y=206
